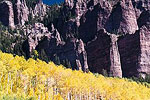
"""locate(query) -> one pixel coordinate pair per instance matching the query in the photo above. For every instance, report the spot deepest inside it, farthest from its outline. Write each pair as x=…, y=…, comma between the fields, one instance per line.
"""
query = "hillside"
x=38, y=80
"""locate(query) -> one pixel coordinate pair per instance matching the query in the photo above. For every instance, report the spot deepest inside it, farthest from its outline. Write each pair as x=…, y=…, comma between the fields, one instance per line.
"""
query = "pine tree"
x=43, y=56
x=57, y=60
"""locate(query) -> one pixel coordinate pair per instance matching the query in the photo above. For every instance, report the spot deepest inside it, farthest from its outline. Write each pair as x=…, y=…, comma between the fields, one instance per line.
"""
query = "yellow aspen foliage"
x=47, y=81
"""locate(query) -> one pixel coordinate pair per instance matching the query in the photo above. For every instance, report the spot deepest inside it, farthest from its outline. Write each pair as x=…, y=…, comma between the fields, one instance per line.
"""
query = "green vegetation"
x=11, y=40
x=7, y=97
x=58, y=14
x=142, y=80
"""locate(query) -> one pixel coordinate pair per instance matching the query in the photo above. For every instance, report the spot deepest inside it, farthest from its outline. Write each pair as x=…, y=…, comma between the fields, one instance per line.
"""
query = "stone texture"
x=134, y=49
x=72, y=50
x=40, y=38
x=21, y=12
x=80, y=7
x=94, y=20
x=144, y=61
x=40, y=9
x=122, y=19
x=144, y=18
x=98, y=52
x=103, y=54
x=115, y=68
x=35, y=34
x=6, y=14
x=140, y=6
x=129, y=50
x=70, y=29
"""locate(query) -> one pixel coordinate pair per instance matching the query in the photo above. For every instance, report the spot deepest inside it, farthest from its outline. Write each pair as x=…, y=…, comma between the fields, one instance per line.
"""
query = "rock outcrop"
x=40, y=38
x=144, y=61
x=134, y=49
x=40, y=9
x=120, y=55
x=17, y=12
x=129, y=50
x=73, y=51
x=115, y=68
x=103, y=54
x=144, y=34
x=6, y=14
x=94, y=20
x=140, y=6
x=21, y=12
x=122, y=19
x=35, y=34
x=98, y=52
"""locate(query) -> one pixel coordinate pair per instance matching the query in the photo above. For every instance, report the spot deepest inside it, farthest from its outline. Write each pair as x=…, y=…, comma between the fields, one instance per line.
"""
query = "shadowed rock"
x=103, y=54
x=122, y=19
x=6, y=13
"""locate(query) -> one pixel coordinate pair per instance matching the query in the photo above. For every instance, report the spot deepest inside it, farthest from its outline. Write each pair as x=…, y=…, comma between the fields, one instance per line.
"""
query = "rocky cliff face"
x=40, y=38
x=103, y=53
x=115, y=68
x=17, y=12
x=140, y=6
x=21, y=12
x=6, y=13
x=40, y=9
x=121, y=18
x=144, y=33
x=35, y=34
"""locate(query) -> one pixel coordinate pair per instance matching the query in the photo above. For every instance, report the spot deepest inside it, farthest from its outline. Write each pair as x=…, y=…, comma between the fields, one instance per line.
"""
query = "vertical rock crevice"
x=21, y=12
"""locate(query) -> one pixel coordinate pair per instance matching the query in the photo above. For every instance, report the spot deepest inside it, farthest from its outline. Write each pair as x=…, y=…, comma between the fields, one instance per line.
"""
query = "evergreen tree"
x=43, y=56
x=57, y=60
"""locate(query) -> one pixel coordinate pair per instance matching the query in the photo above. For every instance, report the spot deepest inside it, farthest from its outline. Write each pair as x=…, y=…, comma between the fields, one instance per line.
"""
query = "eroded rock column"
x=21, y=12
x=115, y=68
x=6, y=14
